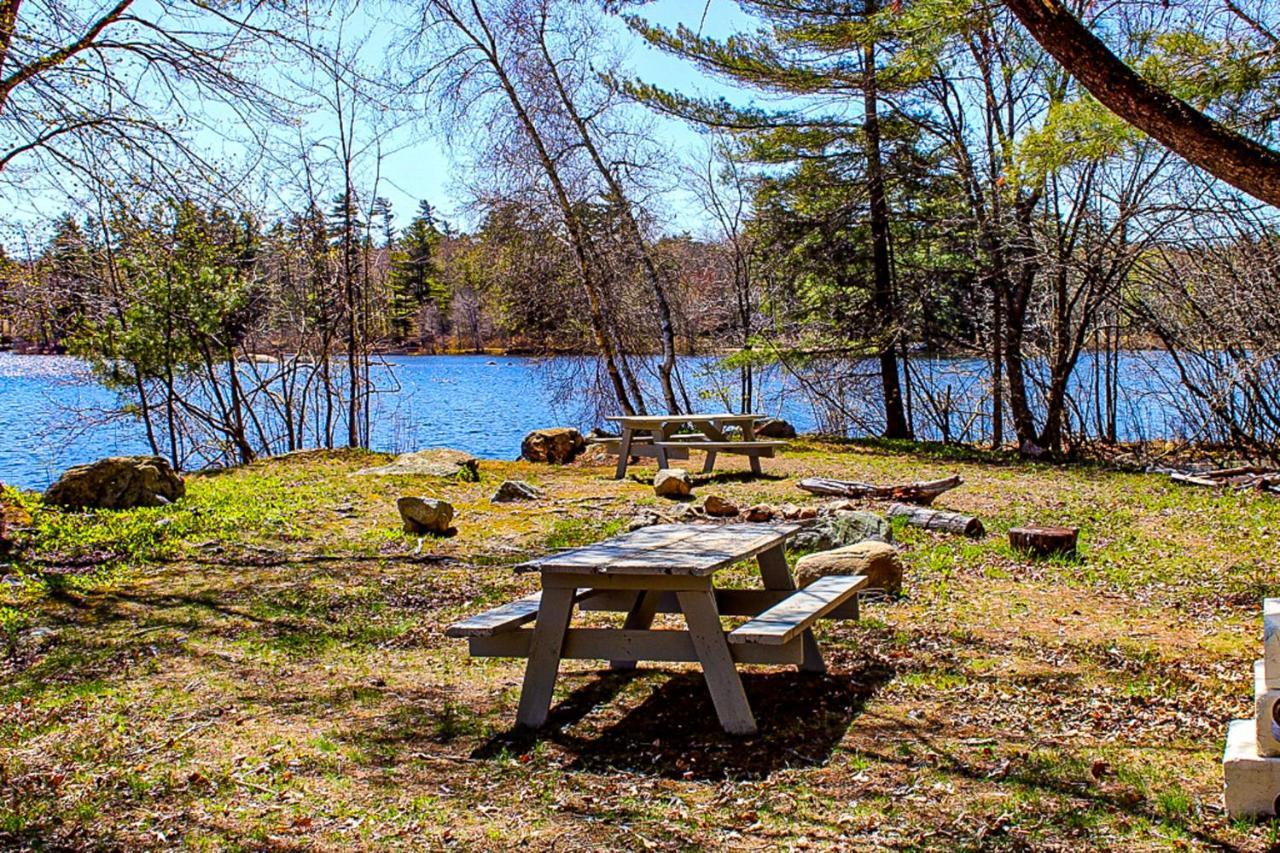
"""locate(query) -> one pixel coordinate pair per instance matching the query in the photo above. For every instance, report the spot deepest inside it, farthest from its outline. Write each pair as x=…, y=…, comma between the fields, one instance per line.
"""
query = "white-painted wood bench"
x=665, y=569
x=798, y=611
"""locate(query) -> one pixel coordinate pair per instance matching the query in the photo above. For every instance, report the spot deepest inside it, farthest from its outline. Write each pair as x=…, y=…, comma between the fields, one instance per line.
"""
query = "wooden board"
x=667, y=549
x=508, y=617
x=616, y=644
x=786, y=619
x=730, y=602
x=647, y=421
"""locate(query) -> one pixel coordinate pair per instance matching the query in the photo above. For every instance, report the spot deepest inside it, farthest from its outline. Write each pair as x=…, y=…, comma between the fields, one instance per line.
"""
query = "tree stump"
x=1044, y=541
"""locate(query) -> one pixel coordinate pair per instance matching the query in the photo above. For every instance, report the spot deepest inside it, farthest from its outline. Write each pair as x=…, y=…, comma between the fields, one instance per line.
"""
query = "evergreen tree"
x=415, y=278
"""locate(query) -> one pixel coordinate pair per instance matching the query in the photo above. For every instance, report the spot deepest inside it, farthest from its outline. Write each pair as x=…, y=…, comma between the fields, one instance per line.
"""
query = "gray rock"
x=774, y=428
x=843, y=528
x=515, y=490
x=643, y=519
x=425, y=515
x=117, y=482
x=877, y=561
x=556, y=446
x=432, y=462
x=672, y=483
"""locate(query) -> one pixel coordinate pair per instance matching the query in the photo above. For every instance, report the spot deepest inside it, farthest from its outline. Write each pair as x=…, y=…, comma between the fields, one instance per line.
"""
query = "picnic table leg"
x=749, y=434
x=777, y=575
x=624, y=454
x=544, y=656
x=639, y=618
x=715, y=432
x=660, y=435
x=709, y=465
x=730, y=700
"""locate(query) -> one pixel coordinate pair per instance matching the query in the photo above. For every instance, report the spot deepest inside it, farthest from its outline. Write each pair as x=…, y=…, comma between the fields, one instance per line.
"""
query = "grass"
x=262, y=665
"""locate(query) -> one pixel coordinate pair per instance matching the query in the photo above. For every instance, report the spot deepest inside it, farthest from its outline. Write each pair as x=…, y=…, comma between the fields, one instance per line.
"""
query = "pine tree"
x=415, y=278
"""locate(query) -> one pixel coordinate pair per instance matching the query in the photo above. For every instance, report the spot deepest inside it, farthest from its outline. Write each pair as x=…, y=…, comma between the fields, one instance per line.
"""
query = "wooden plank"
x=782, y=622
x=671, y=646
x=697, y=550
x=730, y=602
x=724, y=446
x=508, y=617
x=777, y=576
x=647, y=421
x=716, y=659
x=639, y=618
x=545, y=646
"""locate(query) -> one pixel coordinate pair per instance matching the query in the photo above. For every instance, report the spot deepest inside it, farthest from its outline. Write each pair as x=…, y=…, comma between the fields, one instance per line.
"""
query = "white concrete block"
x=1271, y=640
x=1252, y=781
x=1266, y=712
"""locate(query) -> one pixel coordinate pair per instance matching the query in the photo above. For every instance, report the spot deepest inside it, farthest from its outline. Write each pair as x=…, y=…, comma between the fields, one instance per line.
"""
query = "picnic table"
x=668, y=568
x=658, y=436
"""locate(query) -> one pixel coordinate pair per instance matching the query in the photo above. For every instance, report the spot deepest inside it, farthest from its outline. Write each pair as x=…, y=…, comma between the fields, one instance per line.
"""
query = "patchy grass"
x=263, y=665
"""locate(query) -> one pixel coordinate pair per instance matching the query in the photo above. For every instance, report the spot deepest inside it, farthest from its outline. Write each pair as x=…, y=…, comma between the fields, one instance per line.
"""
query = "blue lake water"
x=53, y=415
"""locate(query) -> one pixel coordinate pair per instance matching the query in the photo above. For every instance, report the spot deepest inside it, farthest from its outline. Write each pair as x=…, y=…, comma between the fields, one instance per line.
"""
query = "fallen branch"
x=1242, y=478
x=919, y=493
x=938, y=519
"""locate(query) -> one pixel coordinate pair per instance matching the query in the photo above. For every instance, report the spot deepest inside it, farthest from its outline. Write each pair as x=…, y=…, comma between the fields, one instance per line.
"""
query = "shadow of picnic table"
x=674, y=732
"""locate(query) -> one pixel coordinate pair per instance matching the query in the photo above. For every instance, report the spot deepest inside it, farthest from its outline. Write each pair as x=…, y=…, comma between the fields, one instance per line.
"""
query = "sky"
x=421, y=166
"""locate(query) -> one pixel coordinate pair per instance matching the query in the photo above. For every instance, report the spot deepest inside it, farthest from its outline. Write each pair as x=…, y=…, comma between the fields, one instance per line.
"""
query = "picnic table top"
x=645, y=420
x=667, y=549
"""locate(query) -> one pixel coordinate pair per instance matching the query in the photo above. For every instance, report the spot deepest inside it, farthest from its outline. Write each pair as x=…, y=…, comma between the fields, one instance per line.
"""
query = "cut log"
x=938, y=519
x=1044, y=541
x=918, y=493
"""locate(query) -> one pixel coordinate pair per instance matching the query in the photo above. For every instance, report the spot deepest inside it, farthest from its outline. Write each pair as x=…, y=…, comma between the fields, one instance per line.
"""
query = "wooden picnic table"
x=657, y=436
x=666, y=568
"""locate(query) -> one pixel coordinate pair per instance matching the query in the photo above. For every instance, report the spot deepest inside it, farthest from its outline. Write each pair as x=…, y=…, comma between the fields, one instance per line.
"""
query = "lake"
x=53, y=415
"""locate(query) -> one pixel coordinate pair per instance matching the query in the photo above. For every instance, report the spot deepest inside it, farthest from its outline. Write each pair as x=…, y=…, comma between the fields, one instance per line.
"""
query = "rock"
x=789, y=511
x=431, y=462
x=643, y=519
x=117, y=482
x=556, y=446
x=12, y=516
x=425, y=515
x=759, y=513
x=672, y=483
x=515, y=490
x=774, y=428
x=843, y=528
x=807, y=513
x=718, y=507
x=597, y=434
x=877, y=561
x=593, y=455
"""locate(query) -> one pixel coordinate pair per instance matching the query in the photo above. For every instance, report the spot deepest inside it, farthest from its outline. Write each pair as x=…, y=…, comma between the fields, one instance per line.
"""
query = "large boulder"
x=431, y=462
x=556, y=446
x=877, y=561
x=774, y=428
x=672, y=483
x=425, y=515
x=12, y=516
x=117, y=482
x=842, y=528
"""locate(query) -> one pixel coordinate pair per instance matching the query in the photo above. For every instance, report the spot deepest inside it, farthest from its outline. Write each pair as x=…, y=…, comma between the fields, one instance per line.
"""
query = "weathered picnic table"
x=657, y=436
x=667, y=568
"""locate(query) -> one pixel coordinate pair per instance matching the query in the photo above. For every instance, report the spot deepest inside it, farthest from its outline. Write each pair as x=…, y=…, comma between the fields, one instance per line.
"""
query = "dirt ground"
x=263, y=666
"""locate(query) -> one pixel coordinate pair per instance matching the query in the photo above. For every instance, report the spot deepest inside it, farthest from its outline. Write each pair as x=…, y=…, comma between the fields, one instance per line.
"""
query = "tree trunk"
x=1206, y=143
x=895, y=419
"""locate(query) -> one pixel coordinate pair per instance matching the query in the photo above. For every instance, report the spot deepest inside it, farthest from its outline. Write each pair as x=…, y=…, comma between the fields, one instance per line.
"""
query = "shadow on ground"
x=674, y=732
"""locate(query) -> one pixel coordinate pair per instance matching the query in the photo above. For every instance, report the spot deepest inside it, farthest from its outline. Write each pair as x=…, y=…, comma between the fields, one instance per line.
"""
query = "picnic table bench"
x=666, y=568
x=657, y=436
